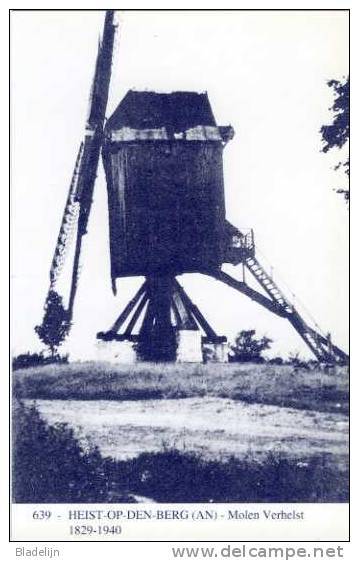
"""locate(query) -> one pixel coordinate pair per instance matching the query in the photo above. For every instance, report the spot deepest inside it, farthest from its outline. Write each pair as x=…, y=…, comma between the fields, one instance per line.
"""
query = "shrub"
x=28, y=360
x=248, y=348
x=276, y=360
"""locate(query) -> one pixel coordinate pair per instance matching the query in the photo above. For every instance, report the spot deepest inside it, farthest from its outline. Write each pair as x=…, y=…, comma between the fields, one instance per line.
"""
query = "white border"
x=161, y=550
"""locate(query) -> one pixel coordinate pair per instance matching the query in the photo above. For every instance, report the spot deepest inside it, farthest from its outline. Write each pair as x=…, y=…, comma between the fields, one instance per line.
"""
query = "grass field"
x=49, y=465
x=248, y=432
x=281, y=385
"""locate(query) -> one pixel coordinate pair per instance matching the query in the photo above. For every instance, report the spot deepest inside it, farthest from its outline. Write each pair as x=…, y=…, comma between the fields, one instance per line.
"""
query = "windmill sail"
x=79, y=200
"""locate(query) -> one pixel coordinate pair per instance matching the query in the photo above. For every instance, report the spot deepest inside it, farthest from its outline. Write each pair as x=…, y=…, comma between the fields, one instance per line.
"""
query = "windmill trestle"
x=166, y=325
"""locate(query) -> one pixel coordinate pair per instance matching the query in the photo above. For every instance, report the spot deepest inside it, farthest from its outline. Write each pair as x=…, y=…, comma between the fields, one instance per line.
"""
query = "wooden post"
x=157, y=341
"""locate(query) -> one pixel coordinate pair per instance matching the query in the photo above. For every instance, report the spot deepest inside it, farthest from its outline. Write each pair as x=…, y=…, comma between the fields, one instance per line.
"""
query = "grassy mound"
x=269, y=384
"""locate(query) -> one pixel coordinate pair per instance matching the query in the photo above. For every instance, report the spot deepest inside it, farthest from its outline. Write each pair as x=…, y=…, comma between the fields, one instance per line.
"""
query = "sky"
x=265, y=73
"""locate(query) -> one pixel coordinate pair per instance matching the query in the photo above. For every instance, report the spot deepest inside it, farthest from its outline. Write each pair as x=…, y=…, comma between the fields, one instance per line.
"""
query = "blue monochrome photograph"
x=180, y=191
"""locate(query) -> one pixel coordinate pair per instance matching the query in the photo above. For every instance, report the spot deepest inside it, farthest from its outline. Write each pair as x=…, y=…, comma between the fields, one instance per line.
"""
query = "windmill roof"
x=178, y=111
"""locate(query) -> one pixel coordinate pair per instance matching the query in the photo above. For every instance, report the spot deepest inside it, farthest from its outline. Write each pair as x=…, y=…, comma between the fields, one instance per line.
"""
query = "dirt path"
x=215, y=427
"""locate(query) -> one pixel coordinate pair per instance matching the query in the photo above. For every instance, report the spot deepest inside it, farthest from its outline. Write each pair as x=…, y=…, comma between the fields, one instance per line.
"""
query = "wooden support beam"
x=302, y=330
x=336, y=350
x=136, y=314
x=248, y=291
x=196, y=312
x=130, y=306
x=186, y=319
x=176, y=314
x=147, y=323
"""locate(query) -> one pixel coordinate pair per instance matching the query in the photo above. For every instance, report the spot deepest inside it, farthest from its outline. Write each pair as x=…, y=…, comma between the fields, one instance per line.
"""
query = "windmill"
x=163, y=160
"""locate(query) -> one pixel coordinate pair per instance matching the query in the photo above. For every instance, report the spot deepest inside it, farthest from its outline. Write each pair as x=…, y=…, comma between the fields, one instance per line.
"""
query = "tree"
x=248, y=348
x=55, y=325
x=336, y=134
